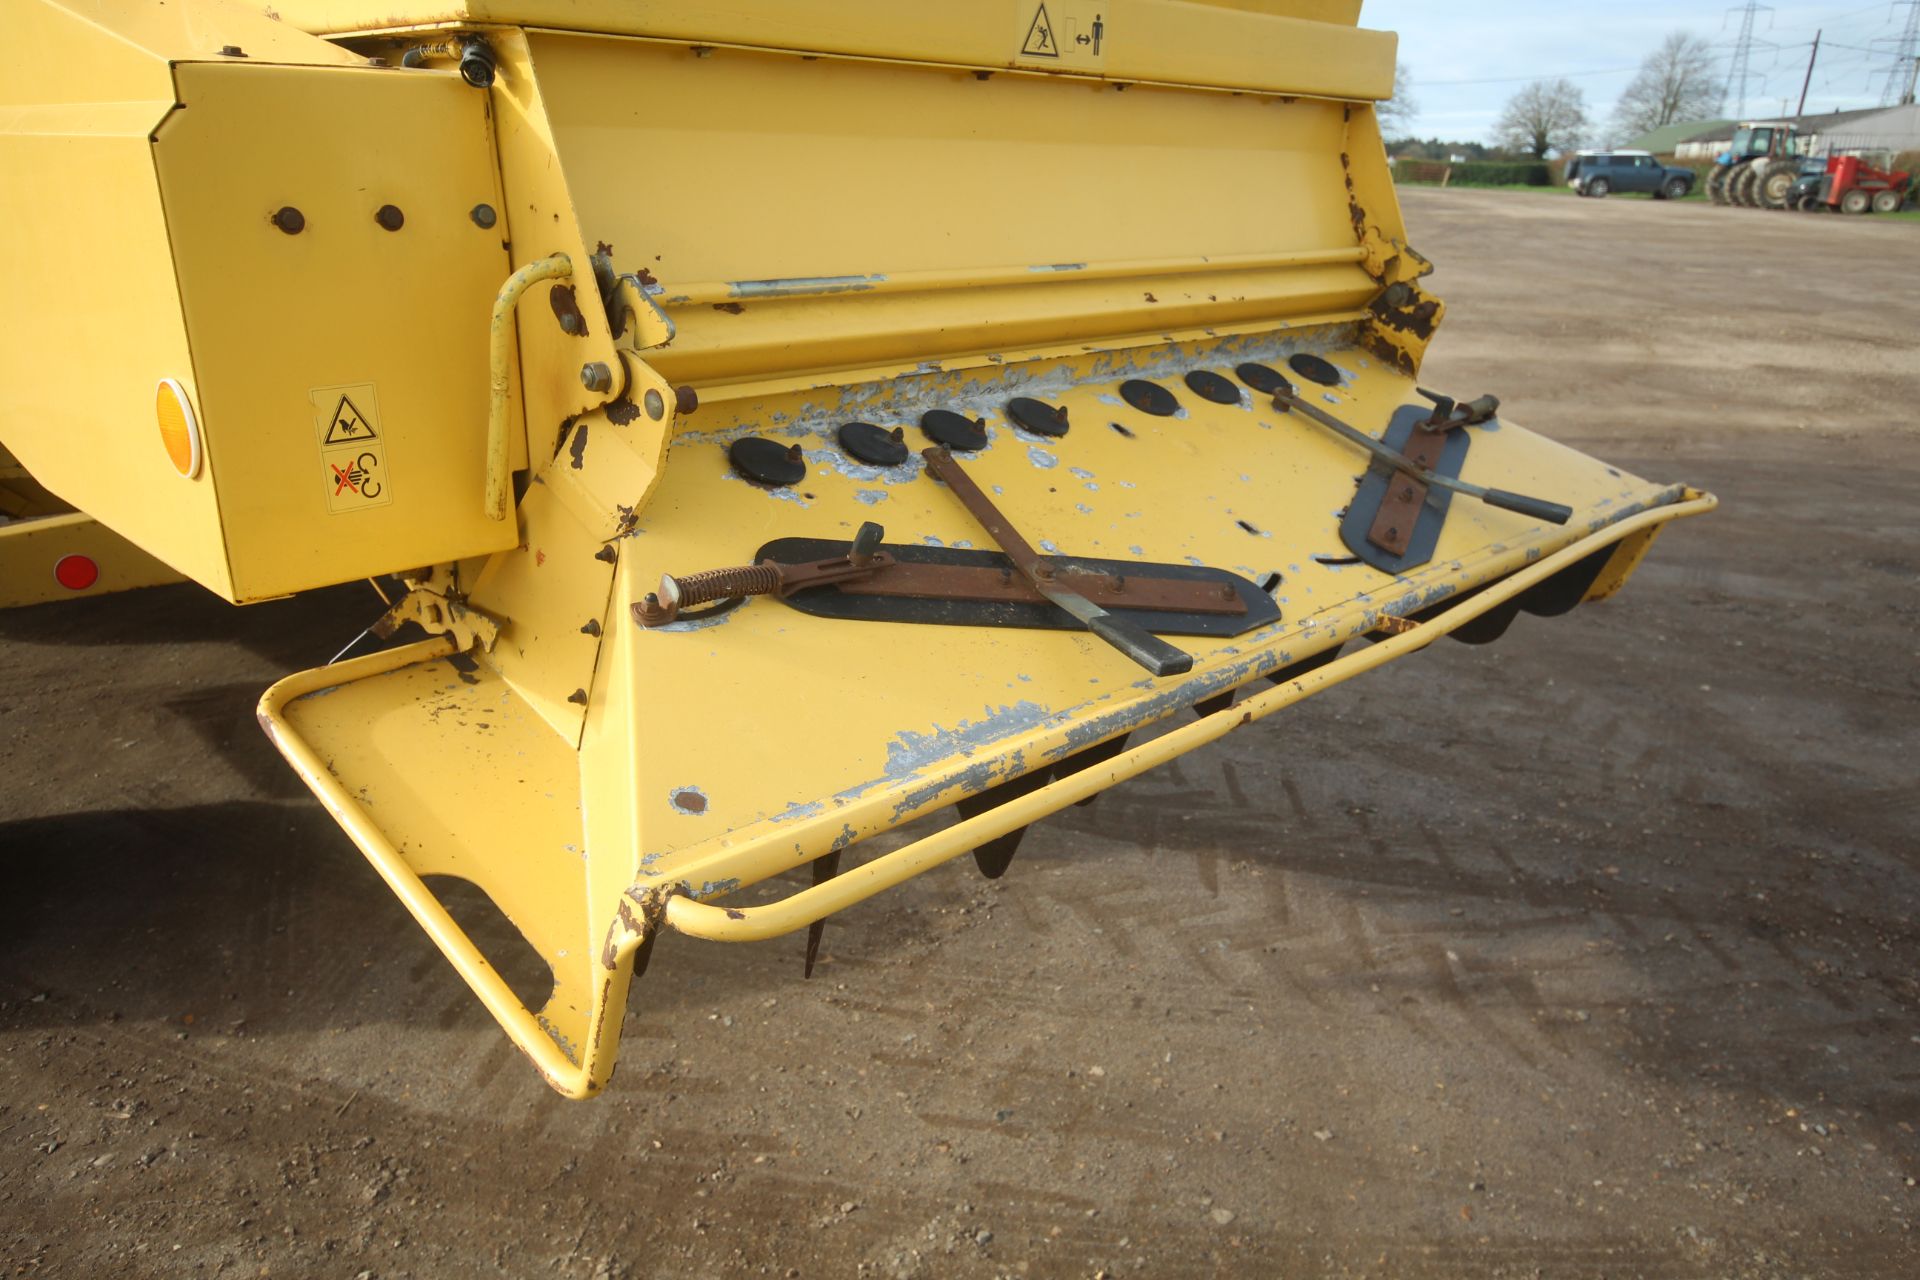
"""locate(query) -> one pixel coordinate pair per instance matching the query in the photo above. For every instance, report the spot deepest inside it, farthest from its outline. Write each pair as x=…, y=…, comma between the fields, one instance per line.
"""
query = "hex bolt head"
x=289, y=220
x=232, y=51
x=656, y=404
x=595, y=376
x=483, y=216
x=685, y=400
x=390, y=217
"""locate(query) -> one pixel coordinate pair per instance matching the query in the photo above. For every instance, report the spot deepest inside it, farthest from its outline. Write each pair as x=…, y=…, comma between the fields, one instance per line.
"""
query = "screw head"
x=390, y=217
x=289, y=220
x=483, y=216
x=595, y=376
x=656, y=404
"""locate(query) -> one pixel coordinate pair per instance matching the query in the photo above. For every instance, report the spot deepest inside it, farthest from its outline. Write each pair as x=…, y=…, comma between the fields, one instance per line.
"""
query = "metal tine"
x=1100, y=753
x=994, y=857
x=825, y=868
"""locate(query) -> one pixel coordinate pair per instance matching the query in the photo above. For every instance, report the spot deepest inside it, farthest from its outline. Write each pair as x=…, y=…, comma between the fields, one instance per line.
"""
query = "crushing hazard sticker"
x=1069, y=34
x=353, y=448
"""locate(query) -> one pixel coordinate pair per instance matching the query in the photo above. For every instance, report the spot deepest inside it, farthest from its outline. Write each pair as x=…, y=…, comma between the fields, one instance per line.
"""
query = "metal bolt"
x=289, y=220
x=483, y=215
x=572, y=322
x=595, y=376
x=376, y=62
x=685, y=400
x=390, y=217
x=656, y=404
x=232, y=51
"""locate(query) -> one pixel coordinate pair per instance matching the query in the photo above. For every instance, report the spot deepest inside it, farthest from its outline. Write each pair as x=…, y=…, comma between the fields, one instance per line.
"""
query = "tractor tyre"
x=1744, y=185
x=1888, y=201
x=1776, y=179
x=1717, y=183
x=1856, y=201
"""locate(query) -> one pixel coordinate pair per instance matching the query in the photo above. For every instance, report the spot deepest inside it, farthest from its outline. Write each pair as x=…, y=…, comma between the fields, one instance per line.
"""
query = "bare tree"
x=1397, y=113
x=1547, y=115
x=1675, y=85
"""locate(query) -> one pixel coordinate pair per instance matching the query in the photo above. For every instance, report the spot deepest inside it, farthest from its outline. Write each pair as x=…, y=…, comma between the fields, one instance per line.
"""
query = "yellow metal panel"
x=841, y=213
x=95, y=324
x=914, y=730
x=31, y=552
x=342, y=371
x=1280, y=46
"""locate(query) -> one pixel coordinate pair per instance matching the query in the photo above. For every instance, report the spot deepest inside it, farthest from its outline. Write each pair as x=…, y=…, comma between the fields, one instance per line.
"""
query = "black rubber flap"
x=944, y=426
x=1209, y=385
x=830, y=602
x=1373, y=490
x=875, y=446
x=767, y=462
x=1149, y=397
x=1314, y=369
x=1262, y=379
x=1037, y=416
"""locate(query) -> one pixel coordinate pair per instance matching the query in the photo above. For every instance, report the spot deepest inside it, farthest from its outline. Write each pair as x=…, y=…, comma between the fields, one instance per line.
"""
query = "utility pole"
x=1808, y=82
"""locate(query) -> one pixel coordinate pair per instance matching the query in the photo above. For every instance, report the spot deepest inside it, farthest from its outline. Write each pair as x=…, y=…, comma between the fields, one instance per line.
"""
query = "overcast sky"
x=1500, y=45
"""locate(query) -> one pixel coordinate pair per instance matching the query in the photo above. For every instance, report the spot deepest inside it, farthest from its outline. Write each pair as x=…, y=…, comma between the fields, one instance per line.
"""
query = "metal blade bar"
x=1151, y=652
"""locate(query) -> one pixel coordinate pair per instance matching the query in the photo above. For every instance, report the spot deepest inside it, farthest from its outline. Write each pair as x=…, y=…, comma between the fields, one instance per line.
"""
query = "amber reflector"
x=179, y=431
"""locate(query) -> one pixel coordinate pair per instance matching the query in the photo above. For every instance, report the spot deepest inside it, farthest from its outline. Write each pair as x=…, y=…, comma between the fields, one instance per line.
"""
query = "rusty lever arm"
x=1538, y=508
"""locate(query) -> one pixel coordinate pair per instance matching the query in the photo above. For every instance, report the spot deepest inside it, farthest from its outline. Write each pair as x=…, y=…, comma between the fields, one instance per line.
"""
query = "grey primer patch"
x=1041, y=458
x=872, y=497
x=802, y=286
x=688, y=800
x=911, y=752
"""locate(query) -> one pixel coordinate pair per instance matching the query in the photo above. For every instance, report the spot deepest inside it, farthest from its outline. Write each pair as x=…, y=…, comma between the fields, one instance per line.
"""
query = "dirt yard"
x=1615, y=970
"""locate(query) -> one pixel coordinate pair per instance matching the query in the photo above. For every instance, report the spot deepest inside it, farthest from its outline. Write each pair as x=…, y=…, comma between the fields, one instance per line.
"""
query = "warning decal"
x=1067, y=34
x=353, y=447
x=1039, y=42
x=348, y=425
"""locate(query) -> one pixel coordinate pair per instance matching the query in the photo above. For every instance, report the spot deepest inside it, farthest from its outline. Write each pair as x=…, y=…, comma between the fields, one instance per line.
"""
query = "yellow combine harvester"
x=789, y=419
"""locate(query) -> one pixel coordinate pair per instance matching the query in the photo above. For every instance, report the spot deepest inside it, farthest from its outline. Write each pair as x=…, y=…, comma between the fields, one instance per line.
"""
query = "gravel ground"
x=1592, y=952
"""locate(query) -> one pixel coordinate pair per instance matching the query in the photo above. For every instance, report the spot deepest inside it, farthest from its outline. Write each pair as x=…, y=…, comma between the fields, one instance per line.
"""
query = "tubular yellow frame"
x=746, y=924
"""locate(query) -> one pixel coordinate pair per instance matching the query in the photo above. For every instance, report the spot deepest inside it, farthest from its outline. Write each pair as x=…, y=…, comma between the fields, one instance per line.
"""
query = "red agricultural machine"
x=1851, y=185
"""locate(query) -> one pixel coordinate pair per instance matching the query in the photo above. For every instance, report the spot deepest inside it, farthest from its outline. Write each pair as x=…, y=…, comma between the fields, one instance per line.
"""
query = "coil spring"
x=724, y=584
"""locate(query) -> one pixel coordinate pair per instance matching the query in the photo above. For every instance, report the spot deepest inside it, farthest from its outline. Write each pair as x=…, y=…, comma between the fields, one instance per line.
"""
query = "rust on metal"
x=567, y=310
x=985, y=584
x=1393, y=524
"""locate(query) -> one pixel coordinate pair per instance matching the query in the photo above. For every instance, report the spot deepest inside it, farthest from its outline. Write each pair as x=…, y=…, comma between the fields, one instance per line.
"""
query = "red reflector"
x=76, y=572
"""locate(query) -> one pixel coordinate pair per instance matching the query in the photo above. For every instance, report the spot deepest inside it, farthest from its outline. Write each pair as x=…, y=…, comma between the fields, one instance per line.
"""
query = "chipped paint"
x=802, y=286
x=690, y=800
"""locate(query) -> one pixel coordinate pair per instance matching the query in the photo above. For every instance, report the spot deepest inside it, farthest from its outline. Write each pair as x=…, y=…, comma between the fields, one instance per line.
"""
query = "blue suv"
x=1601, y=173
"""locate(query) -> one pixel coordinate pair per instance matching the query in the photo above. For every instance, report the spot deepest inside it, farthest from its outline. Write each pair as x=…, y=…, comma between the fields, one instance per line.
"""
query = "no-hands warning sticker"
x=353, y=447
x=1068, y=34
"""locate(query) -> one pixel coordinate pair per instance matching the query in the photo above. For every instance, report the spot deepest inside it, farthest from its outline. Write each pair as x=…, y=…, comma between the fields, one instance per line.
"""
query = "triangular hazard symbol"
x=1040, y=43
x=349, y=425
